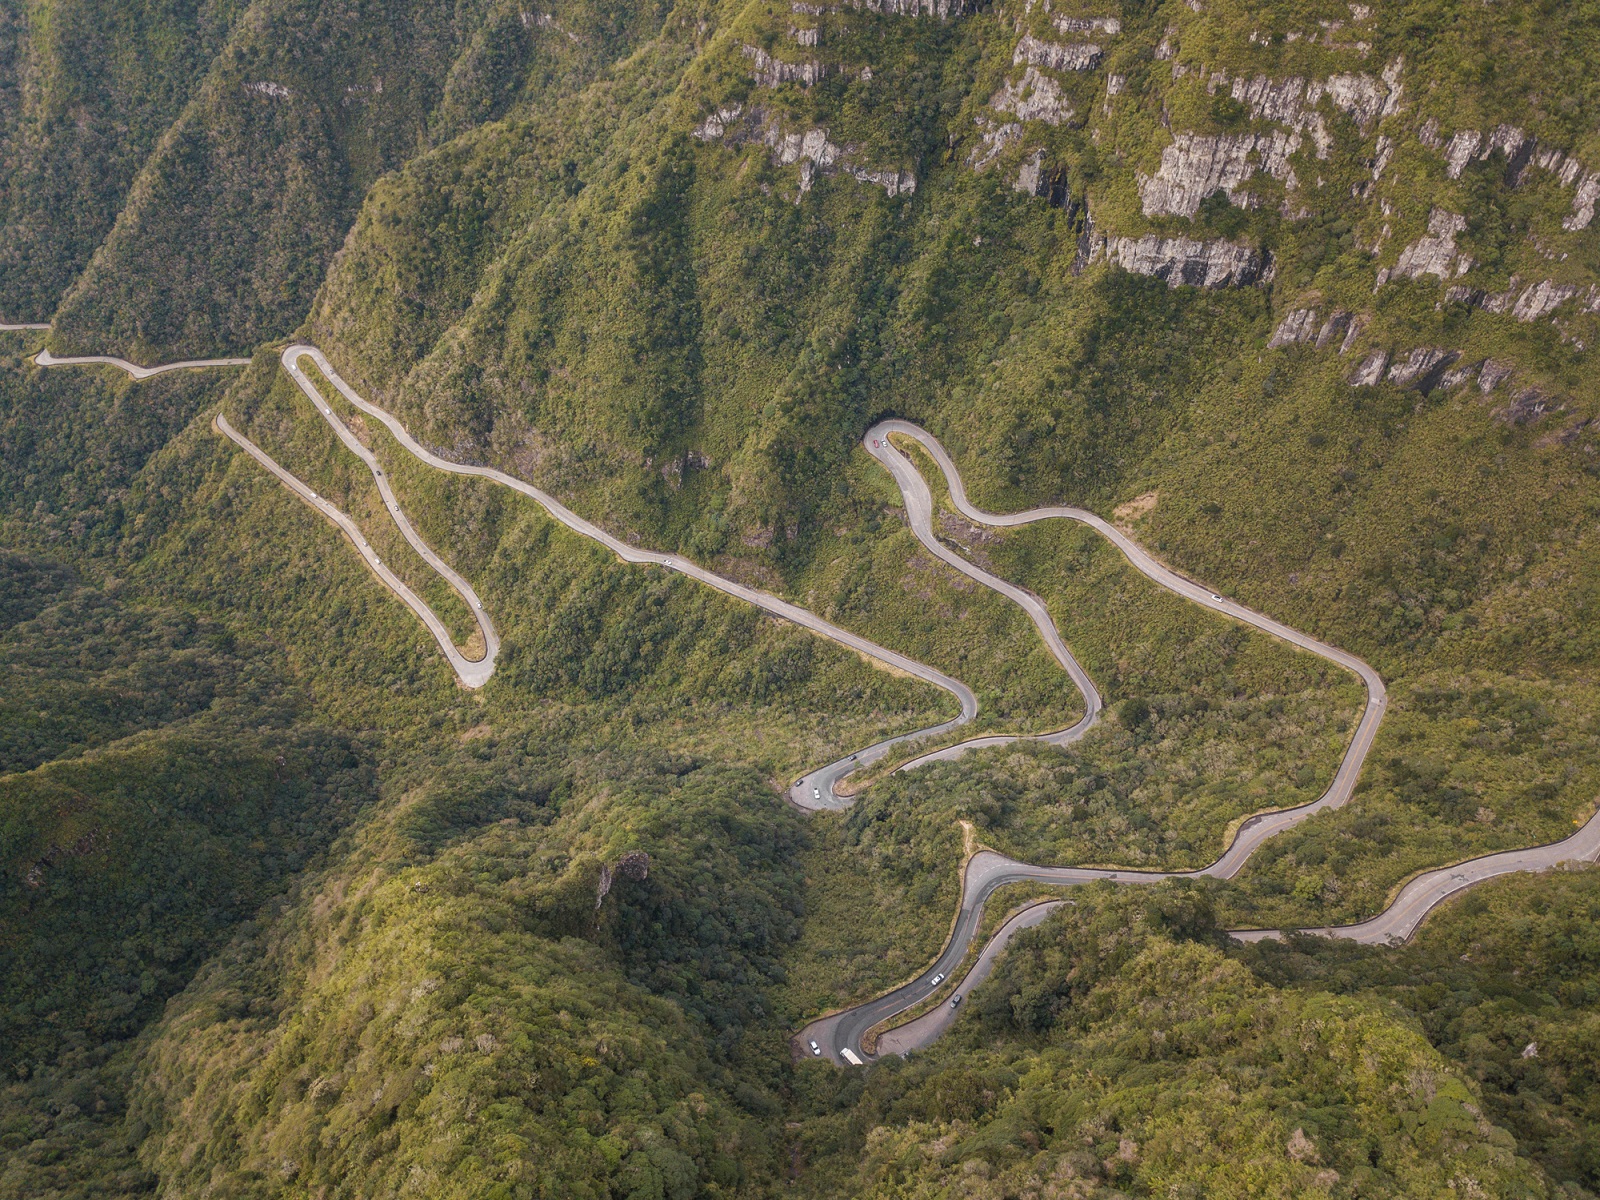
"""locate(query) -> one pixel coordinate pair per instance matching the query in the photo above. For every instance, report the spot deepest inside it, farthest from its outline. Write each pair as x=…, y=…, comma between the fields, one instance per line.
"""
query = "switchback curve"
x=840, y=1033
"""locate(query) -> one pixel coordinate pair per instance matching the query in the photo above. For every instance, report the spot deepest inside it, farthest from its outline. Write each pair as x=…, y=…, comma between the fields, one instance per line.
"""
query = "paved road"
x=45, y=359
x=293, y=356
x=924, y=1030
x=4, y=328
x=472, y=674
x=1419, y=897
x=986, y=870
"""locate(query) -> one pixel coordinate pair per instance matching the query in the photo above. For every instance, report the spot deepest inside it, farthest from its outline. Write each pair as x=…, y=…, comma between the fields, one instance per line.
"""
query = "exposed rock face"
x=1459, y=152
x=1034, y=97
x=1436, y=253
x=1110, y=26
x=1422, y=368
x=1056, y=57
x=275, y=91
x=1180, y=260
x=895, y=182
x=943, y=9
x=1542, y=299
x=805, y=37
x=1293, y=102
x=1036, y=179
x=1030, y=174
x=1521, y=152
x=1380, y=159
x=1302, y=325
x=1370, y=372
x=1339, y=325
x=1197, y=166
x=1527, y=405
x=811, y=149
x=1428, y=367
x=1493, y=375
x=992, y=142
x=774, y=72
x=1583, y=204
x=1299, y=326
x=634, y=865
x=1525, y=304
x=1365, y=98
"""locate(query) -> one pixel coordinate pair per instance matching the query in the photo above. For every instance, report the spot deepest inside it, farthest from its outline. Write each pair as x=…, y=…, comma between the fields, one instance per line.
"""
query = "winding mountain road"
x=472, y=674
x=838, y=1035
x=45, y=359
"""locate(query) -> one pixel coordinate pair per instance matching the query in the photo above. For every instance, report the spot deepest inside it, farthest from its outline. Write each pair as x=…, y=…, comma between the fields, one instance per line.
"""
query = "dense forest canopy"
x=1298, y=293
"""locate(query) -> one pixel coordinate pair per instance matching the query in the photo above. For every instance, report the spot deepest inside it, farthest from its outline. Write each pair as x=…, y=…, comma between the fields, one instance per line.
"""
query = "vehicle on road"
x=816, y=793
x=851, y=1057
x=1216, y=598
x=815, y=1049
x=955, y=1001
x=937, y=979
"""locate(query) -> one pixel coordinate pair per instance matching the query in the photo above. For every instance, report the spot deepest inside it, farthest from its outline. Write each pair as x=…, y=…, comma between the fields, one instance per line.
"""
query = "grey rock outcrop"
x=1463, y=145
x=1299, y=326
x=1527, y=405
x=1458, y=375
x=1436, y=253
x=1369, y=372
x=810, y=148
x=1583, y=203
x=992, y=142
x=1494, y=373
x=1196, y=166
x=1525, y=304
x=1422, y=368
x=1183, y=261
x=895, y=182
x=1541, y=300
x=1049, y=184
x=1109, y=26
x=774, y=72
x=1294, y=101
x=1075, y=57
x=1034, y=97
x=1030, y=174
x=1340, y=326
x=1521, y=152
x=942, y=9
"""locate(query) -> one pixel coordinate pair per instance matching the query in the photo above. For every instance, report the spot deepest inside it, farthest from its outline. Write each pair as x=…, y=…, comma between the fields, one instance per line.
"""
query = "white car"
x=816, y=793
x=1216, y=598
x=815, y=1049
x=937, y=979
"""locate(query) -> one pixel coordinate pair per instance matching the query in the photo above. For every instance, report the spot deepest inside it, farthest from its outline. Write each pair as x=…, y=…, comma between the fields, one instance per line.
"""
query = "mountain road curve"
x=838, y=1035
x=45, y=359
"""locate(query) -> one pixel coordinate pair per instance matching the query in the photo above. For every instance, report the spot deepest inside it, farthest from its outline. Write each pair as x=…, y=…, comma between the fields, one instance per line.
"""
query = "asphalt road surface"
x=472, y=674
x=986, y=870
x=45, y=359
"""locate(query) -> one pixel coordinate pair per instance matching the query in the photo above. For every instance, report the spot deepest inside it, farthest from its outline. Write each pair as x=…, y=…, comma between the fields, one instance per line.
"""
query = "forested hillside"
x=1300, y=294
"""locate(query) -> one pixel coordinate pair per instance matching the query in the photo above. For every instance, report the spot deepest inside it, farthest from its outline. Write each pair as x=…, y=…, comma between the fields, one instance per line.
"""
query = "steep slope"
x=86, y=91
x=1301, y=294
x=254, y=184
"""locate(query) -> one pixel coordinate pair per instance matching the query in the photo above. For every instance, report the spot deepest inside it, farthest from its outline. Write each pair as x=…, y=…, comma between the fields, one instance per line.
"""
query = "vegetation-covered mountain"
x=1300, y=293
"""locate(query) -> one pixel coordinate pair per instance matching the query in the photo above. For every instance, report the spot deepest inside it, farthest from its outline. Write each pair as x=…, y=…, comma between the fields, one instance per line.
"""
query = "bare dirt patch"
x=1135, y=510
